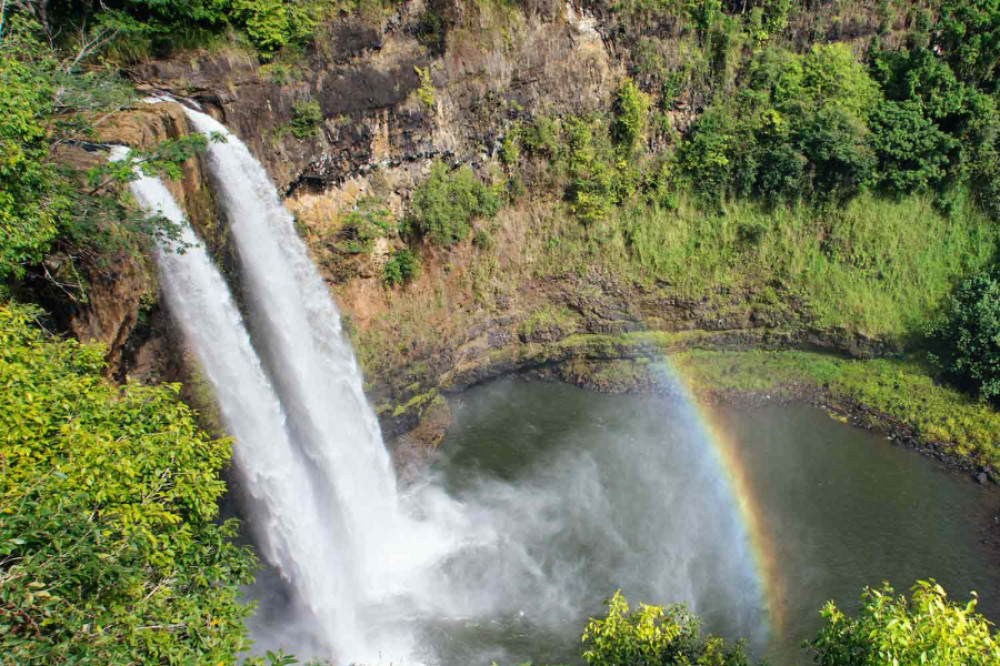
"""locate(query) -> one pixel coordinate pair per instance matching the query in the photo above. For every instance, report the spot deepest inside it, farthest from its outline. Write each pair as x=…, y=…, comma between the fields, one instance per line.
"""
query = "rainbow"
x=727, y=454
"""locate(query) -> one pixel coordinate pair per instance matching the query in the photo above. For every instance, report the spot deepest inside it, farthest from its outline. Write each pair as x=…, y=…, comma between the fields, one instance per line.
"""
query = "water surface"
x=593, y=493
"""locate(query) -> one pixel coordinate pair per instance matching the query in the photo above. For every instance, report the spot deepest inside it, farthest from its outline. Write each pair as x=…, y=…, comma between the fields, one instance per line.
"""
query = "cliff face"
x=396, y=93
x=120, y=309
x=497, y=65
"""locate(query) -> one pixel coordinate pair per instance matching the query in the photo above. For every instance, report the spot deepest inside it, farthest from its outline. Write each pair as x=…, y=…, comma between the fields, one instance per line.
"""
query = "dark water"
x=596, y=493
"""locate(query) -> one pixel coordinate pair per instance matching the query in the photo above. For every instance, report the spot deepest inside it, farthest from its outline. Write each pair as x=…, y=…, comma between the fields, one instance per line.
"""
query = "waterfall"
x=324, y=508
x=283, y=466
x=313, y=367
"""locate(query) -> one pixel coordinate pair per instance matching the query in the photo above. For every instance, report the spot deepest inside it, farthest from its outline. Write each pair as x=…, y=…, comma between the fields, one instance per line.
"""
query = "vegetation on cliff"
x=63, y=215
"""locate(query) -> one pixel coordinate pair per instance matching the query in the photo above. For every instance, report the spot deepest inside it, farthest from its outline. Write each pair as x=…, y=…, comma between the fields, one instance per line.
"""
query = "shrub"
x=781, y=171
x=273, y=24
x=425, y=89
x=445, y=204
x=541, y=138
x=912, y=152
x=111, y=550
x=306, y=117
x=832, y=75
x=841, y=161
x=594, y=181
x=969, y=342
x=926, y=630
x=706, y=156
x=631, y=107
x=510, y=152
x=368, y=222
x=654, y=636
x=401, y=267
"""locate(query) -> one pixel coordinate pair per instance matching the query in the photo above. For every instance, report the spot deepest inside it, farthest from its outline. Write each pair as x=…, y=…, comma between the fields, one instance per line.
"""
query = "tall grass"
x=876, y=266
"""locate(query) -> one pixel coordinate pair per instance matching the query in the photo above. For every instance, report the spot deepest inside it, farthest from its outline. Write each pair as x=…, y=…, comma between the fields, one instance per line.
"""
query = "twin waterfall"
x=309, y=452
x=363, y=581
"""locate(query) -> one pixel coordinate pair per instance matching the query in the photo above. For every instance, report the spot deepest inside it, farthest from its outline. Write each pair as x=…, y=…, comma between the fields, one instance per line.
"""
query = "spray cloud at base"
x=379, y=576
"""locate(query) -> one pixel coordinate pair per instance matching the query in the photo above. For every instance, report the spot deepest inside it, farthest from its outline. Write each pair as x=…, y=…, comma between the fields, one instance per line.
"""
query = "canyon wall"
x=445, y=81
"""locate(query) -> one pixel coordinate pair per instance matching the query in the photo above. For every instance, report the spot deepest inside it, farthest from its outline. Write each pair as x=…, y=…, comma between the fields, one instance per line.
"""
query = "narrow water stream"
x=590, y=488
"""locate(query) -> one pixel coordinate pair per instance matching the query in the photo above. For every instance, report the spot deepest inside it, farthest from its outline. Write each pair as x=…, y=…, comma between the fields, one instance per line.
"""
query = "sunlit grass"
x=876, y=266
x=903, y=390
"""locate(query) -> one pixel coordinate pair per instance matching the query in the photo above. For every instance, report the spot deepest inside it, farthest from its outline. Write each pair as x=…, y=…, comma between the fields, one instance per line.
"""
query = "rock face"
x=120, y=310
x=393, y=97
x=366, y=81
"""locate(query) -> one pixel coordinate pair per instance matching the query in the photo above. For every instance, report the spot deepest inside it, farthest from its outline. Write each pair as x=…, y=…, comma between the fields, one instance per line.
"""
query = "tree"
x=968, y=35
x=968, y=343
x=28, y=220
x=926, y=630
x=111, y=551
x=834, y=142
x=913, y=154
x=47, y=206
x=654, y=636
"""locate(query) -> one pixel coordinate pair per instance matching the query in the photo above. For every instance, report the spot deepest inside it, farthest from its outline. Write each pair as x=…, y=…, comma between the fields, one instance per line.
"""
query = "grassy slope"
x=902, y=390
x=878, y=266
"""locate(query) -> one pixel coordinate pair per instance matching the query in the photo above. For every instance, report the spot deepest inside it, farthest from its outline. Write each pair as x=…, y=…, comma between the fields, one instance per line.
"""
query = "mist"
x=536, y=520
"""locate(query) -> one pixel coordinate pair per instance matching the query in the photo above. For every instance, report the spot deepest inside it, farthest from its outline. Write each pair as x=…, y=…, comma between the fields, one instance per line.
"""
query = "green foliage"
x=969, y=342
x=510, y=151
x=46, y=206
x=600, y=176
x=841, y=163
x=445, y=204
x=832, y=76
x=110, y=547
x=425, y=89
x=798, y=127
x=306, y=118
x=273, y=24
x=139, y=28
x=631, y=109
x=541, y=138
x=768, y=20
x=968, y=35
x=28, y=222
x=707, y=154
x=874, y=265
x=912, y=151
x=926, y=629
x=938, y=130
x=401, y=267
x=654, y=636
x=369, y=221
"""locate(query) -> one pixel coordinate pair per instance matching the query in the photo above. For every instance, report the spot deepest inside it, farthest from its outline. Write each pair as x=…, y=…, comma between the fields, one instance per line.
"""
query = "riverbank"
x=900, y=397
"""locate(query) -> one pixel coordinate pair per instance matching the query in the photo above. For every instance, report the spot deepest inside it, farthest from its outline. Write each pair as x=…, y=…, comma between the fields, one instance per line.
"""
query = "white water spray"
x=289, y=528
x=324, y=503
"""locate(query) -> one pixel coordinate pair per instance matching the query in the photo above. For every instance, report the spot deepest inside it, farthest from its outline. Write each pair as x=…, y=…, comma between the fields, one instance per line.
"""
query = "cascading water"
x=378, y=581
x=287, y=525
